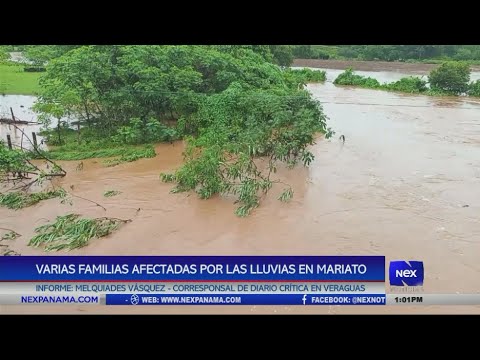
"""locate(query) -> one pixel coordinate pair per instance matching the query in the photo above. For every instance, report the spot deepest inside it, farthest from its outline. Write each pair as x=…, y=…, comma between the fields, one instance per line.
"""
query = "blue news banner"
x=248, y=280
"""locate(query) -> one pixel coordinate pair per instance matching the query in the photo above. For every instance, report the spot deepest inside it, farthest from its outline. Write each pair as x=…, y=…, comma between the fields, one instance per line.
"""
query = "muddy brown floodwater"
x=397, y=187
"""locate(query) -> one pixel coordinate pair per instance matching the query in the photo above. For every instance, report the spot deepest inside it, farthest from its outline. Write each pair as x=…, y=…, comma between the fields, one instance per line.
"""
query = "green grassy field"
x=15, y=81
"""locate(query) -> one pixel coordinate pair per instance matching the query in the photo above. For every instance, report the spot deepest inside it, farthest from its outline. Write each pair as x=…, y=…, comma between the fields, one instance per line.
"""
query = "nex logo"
x=406, y=273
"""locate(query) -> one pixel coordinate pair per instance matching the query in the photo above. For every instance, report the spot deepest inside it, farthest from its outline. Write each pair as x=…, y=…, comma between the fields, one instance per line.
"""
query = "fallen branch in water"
x=93, y=202
x=16, y=166
x=13, y=231
x=115, y=219
x=11, y=253
x=11, y=235
x=111, y=193
x=21, y=199
x=70, y=232
x=39, y=153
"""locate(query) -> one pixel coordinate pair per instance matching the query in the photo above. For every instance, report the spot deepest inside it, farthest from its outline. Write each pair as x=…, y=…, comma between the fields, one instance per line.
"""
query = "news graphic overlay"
x=406, y=273
x=193, y=280
x=406, y=276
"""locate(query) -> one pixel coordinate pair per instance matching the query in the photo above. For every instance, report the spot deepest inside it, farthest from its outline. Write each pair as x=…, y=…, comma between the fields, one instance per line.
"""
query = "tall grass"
x=15, y=81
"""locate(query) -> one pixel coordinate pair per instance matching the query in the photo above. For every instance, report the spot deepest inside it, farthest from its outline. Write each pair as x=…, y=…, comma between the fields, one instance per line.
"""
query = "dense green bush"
x=474, y=88
x=450, y=77
x=348, y=77
x=409, y=84
x=141, y=132
x=303, y=76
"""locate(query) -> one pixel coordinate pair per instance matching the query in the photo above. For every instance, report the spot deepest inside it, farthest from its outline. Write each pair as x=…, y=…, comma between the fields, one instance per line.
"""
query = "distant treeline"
x=283, y=55
x=388, y=52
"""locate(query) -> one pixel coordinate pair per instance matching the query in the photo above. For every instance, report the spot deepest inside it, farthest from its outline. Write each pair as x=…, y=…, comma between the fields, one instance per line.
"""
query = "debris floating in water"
x=17, y=121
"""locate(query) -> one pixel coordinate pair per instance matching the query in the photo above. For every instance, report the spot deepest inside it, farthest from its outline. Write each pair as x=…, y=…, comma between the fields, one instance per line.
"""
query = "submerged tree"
x=234, y=129
x=232, y=103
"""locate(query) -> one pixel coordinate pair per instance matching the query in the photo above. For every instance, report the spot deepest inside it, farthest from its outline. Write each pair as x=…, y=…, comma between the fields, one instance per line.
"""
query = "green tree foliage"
x=140, y=132
x=16, y=165
x=110, y=85
x=303, y=51
x=309, y=52
x=282, y=54
x=237, y=50
x=13, y=162
x=474, y=89
x=4, y=53
x=239, y=125
x=450, y=77
x=232, y=103
x=41, y=54
x=304, y=76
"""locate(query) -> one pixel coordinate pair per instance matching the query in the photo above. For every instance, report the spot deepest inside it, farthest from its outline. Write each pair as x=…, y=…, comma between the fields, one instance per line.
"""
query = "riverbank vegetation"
x=71, y=145
x=231, y=104
x=451, y=78
x=474, y=89
x=21, y=82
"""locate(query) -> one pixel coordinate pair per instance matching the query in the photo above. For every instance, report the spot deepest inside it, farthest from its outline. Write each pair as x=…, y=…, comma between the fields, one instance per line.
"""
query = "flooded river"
x=406, y=184
x=21, y=134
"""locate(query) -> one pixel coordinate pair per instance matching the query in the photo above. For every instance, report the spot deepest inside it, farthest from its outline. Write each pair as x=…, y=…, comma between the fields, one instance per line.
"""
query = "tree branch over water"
x=16, y=165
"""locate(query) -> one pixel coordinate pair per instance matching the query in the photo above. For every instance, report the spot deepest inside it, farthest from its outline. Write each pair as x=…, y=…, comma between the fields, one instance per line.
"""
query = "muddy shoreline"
x=419, y=68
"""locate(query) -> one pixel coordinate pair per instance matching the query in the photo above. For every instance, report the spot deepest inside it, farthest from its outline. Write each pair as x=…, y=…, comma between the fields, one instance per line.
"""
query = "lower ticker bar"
x=248, y=299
